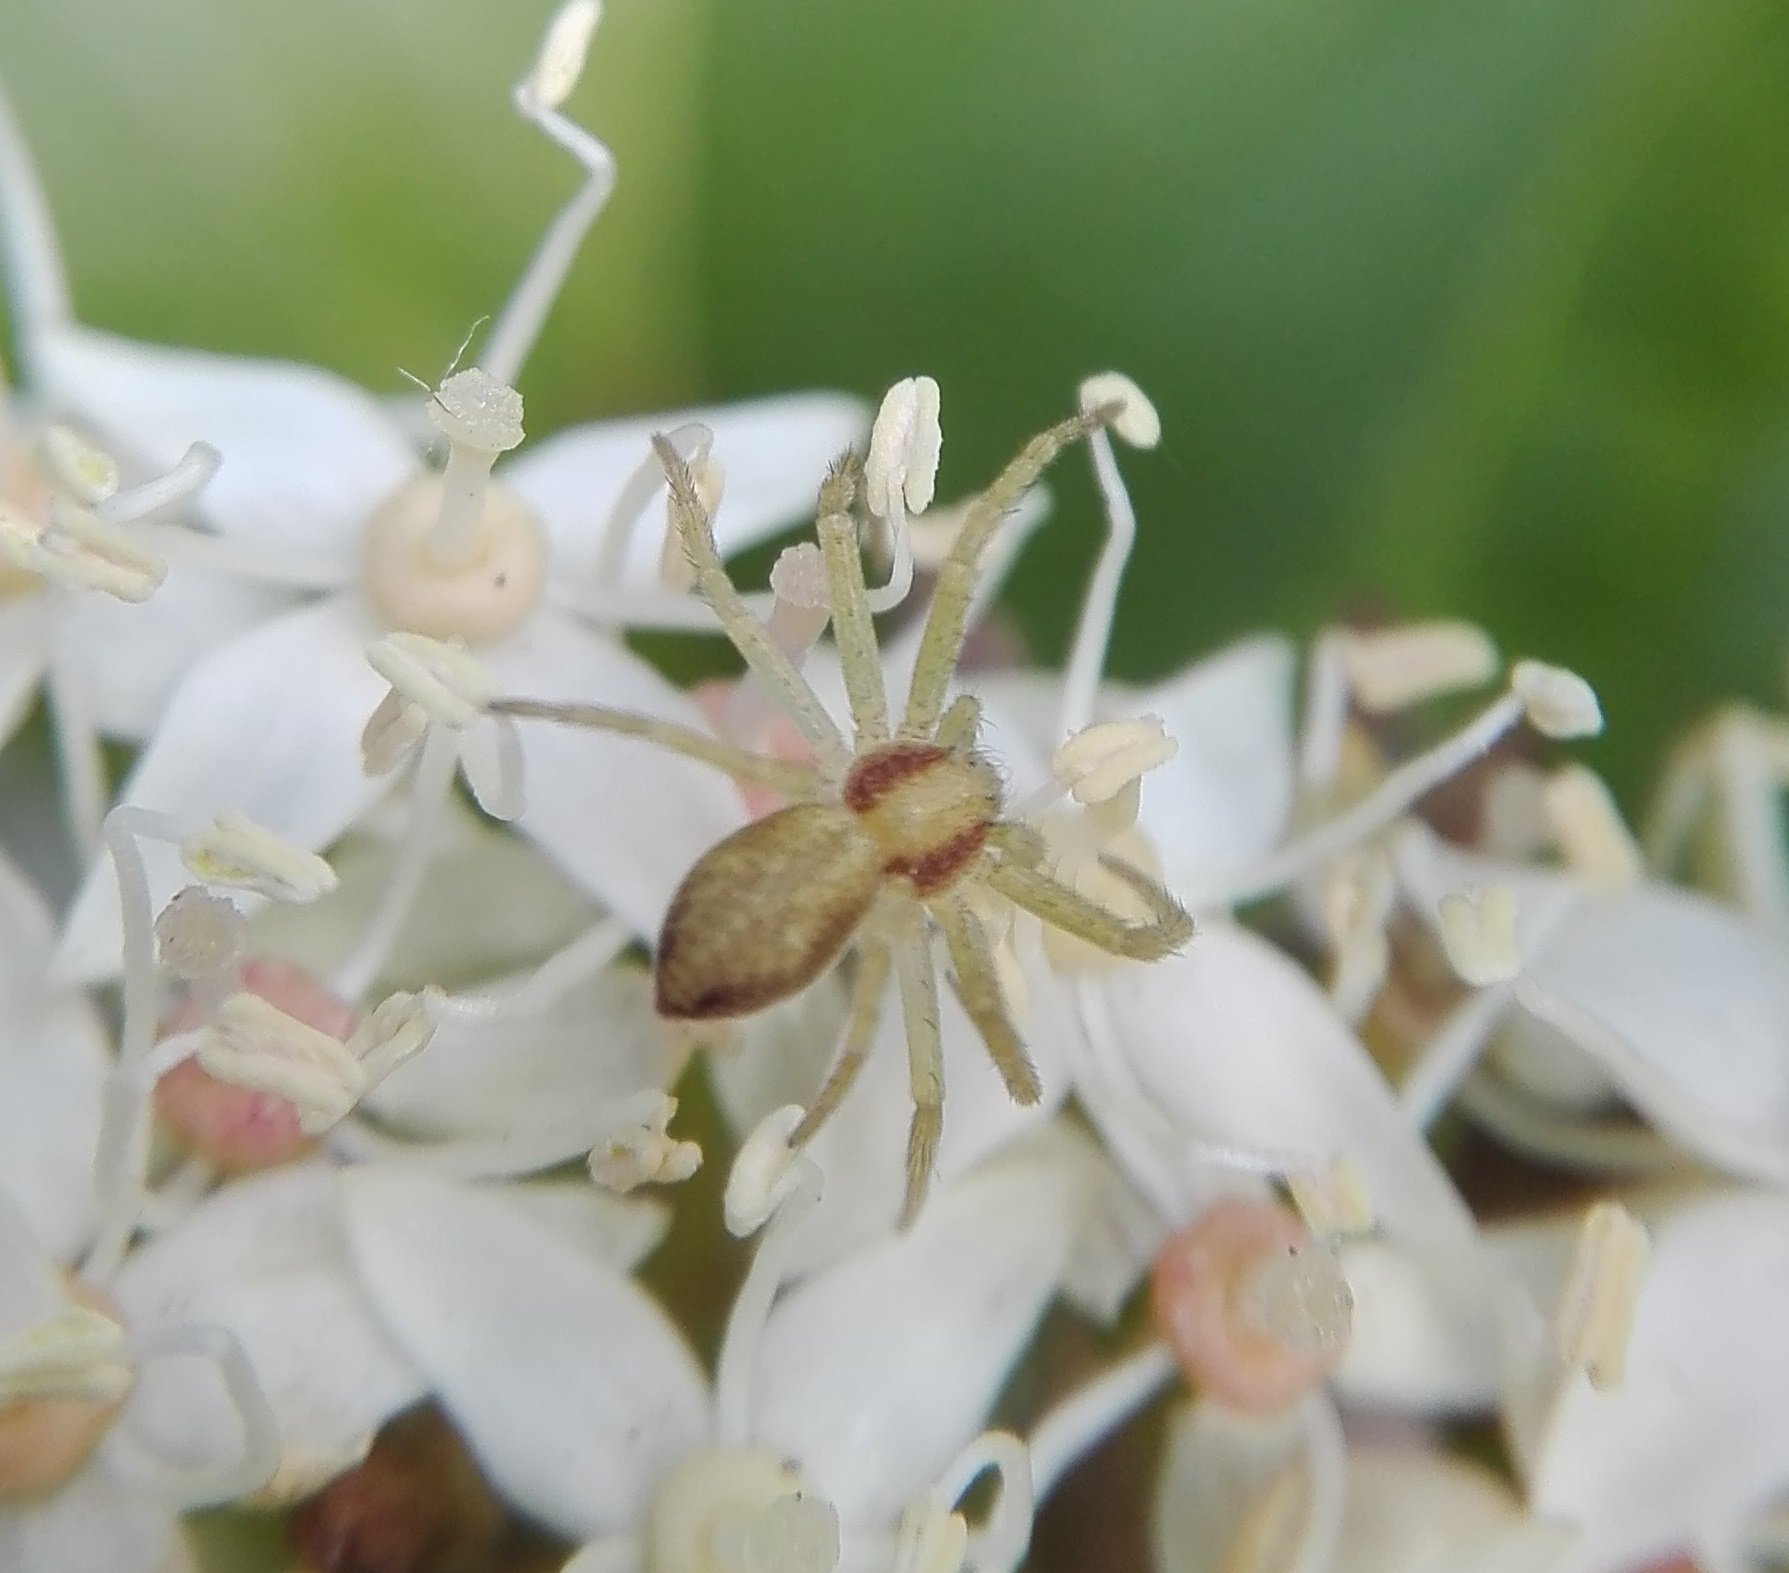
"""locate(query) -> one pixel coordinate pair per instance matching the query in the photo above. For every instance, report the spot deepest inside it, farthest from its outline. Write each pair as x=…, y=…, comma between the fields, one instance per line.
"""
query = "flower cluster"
x=1411, y=1131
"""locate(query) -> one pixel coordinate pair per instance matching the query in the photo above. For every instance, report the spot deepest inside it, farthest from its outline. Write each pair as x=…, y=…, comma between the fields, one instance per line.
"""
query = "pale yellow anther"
x=1390, y=669
x=1559, y=703
x=391, y=734
x=1101, y=760
x=1478, y=932
x=472, y=409
x=1595, y=1315
x=78, y=1353
x=645, y=1153
x=74, y=548
x=396, y=1030
x=234, y=850
x=763, y=1174
x=440, y=676
x=931, y=1539
x=563, y=51
x=905, y=440
x=86, y=473
x=1588, y=828
x=256, y=1045
x=1333, y=1202
x=199, y=933
x=1137, y=423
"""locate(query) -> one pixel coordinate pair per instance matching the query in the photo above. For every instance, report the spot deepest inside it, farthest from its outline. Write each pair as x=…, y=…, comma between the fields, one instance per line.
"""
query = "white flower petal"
x=53, y=1064
x=774, y=453
x=24, y=640
x=307, y=455
x=546, y=1079
x=268, y=725
x=1696, y=1436
x=264, y=1258
x=620, y=1230
x=572, y=1387
x=31, y=1284
x=134, y=656
x=861, y=1150
x=1417, y=1511
x=1229, y=1482
x=1232, y=1045
x=94, y=1524
x=874, y=1373
x=623, y=818
x=1222, y=802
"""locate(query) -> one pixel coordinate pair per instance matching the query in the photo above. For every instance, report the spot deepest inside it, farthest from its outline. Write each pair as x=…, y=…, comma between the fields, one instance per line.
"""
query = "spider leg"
x=1063, y=907
x=852, y=630
x=925, y=1055
x=948, y=618
x=860, y=1027
x=960, y=724
x=978, y=988
x=790, y=777
x=749, y=635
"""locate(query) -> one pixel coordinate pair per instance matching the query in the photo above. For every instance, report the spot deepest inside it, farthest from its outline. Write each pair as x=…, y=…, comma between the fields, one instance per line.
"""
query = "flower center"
x=1255, y=1310
x=61, y=1385
x=477, y=589
x=236, y=1129
x=740, y=1510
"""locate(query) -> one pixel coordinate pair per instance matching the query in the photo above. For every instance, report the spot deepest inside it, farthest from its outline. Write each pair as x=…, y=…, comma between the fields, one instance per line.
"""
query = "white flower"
x=324, y=493
x=1641, y=991
x=837, y=1407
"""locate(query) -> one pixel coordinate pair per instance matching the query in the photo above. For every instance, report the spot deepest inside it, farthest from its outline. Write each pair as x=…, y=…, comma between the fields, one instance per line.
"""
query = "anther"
x=1334, y=1202
x=1588, y=827
x=643, y=1152
x=901, y=472
x=61, y=1383
x=1254, y=1310
x=764, y=1173
x=439, y=676
x=1390, y=669
x=234, y=850
x=85, y=472
x=73, y=547
x=1136, y=422
x=1478, y=932
x=1558, y=703
x=1595, y=1315
x=562, y=54
x=1102, y=760
x=199, y=933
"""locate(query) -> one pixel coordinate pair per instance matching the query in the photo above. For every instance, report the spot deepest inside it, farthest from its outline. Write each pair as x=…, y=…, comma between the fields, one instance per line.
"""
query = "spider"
x=885, y=833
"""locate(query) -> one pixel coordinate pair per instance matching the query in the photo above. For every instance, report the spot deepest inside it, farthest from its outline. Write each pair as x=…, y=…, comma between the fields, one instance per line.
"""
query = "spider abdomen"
x=927, y=809
x=765, y=912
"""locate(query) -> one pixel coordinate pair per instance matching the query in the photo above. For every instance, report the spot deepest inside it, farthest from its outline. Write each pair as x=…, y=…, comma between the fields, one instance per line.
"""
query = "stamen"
x=675, y=570
x=1559, y=703
x=693, y=442
x=1136, y=421
x=76, y=1354
x=440, y=676
x=1255, y=1311
x=233, y=850
x=1107, y=758
x=76, y=549
x=1334, y=1202
x=391, y=733
x=142, y=502
x=1594, y=838
x=1391, y=669
x=537, y=97
x=901, y=471
x=1078, y=1424
x=1004, y=1537
x=1478, y=932
x=1358, y=899
x=1595, y=1317
x=643, y=1152
x=199, y=933
x=765, y=1174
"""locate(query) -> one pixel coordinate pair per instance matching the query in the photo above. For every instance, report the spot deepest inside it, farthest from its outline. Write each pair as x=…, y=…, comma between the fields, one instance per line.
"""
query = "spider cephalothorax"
x=885, y=833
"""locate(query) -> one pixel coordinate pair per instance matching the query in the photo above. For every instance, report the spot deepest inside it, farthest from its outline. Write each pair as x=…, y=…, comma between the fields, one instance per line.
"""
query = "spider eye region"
x=927, y=809
x=765, y=912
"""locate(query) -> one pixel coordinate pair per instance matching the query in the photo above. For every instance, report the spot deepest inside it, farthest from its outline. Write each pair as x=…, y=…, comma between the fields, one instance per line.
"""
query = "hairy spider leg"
x=1061, y=906
x=860, y=659
x=947, y=621
x=768, y=661
x=918, y=979
x=867, y=989
x=978, y=990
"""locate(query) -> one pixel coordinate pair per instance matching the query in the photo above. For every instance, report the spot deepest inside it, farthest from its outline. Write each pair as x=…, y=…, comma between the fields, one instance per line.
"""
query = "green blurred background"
x=1450, y=307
